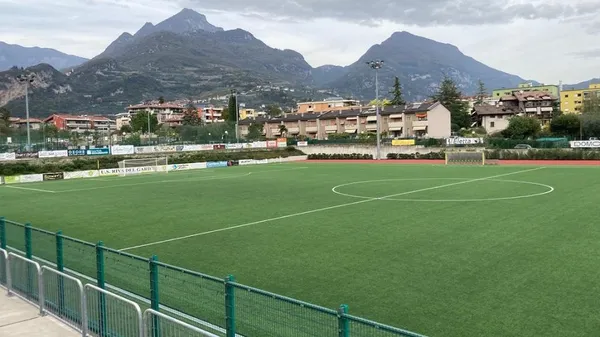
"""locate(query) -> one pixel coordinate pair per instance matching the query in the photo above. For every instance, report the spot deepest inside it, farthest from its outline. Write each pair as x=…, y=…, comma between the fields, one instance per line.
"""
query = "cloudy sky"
x=547, y=40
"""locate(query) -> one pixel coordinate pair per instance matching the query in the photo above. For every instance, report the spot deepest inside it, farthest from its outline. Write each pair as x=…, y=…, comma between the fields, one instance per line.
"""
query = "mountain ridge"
x=12, y=55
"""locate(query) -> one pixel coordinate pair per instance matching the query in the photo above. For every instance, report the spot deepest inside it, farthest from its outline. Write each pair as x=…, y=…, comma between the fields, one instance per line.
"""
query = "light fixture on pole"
x=27, y=79
x=376, y=65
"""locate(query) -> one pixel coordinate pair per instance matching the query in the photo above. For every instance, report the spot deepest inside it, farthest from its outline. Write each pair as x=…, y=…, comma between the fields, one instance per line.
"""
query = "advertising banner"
x=98, y=152
x=262, y=161
x=281, y=142
x=581, y=144
x=235, y=146
x=302, y=144
x=271, y=143
x=463, y=141
x=218, y=146
x=1, y=180
x=259, y=145
x=214, y=164
x=53, y=154
x=233, y=163
x=246, y=145
x=53, y=176
x=8, y=156
x=32, y=178
x=179, y=167
x=403, y=142
x=130, y=170
x=12, y=179
x=27, y=155
x=117, y=150
x=81, y=174
x=197, y=166
x=76, y=152
x=244, y=162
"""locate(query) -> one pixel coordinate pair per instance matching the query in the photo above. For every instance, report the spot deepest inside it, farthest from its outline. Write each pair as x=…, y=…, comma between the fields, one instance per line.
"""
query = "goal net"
x=146, y=165
x=465, y=158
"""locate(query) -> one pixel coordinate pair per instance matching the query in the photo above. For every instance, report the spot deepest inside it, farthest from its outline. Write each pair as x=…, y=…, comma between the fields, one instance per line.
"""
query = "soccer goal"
x=146, y=165
x=465, y=158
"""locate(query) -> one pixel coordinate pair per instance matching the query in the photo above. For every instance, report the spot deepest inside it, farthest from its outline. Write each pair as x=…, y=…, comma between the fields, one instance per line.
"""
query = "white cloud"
x=545, y=41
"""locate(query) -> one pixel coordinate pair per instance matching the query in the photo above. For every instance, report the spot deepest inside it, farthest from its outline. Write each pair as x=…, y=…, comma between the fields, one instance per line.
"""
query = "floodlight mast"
x=376, y=65
x=27, y=79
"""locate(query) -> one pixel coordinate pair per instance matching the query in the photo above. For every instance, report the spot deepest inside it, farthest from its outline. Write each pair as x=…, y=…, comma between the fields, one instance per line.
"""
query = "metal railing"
x=63, y=297
x=4, y=268
x=109, y=314
x=158, y=324
x=26, y=279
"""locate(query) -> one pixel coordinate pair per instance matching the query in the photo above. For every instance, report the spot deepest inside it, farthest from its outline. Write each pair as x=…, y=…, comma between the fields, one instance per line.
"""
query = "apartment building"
x=251, y=113
x=571, y=101
x=21, y=123
x=410, y=121
x=211, y=114
x=492, y=118
x=333, y=103
x=81, y=123
x=539, y=104
x=162, y=112
x=526, y=87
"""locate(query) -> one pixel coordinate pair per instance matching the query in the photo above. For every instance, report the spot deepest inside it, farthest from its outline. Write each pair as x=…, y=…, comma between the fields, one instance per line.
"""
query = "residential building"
x=122, y=119
x=251, y=113
x=162, y=111
x=81, y=123
x=492, y=118
x=211, y=114
x=526, y=87
x=429, y=119
x=333, y=103
x=571, y=101
x=539, y=104
x=21, y=123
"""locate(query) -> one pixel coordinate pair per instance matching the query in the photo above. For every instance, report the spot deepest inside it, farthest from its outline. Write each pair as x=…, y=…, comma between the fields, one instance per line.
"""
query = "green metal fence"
x=222, y=306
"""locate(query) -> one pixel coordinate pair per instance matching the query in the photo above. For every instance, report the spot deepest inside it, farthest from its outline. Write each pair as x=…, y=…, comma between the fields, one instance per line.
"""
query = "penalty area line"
x=326, y=209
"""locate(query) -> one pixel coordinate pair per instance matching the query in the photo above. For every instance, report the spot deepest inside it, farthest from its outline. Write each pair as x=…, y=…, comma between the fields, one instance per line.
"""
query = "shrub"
x=337, y=156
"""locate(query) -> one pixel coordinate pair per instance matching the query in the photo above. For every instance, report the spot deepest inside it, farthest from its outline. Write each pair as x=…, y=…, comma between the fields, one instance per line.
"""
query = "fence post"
x=29, y=255
x=101, y=284
x=230, y=306
x=154, y=292
x=61, y=268
x=343, y=323
x=3, y=233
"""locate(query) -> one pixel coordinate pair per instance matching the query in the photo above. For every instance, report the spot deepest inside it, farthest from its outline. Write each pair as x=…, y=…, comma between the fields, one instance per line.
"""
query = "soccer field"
x=439, y=250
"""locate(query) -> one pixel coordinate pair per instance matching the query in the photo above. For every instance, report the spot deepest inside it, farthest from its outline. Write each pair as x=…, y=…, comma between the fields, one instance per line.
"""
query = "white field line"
x=326, y=209
x=29, y=189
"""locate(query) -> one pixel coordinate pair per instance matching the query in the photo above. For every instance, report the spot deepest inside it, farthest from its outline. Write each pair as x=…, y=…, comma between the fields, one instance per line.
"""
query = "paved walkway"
x=19, y=319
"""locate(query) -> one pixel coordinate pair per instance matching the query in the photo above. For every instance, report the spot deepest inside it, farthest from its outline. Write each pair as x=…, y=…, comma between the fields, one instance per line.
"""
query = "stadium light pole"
x=376, y=65
x=237, y=114
x=27, y=79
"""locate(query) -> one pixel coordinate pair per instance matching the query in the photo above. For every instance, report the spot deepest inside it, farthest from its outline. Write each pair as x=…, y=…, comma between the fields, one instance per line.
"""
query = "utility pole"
x=376, y=65
x=27, y=79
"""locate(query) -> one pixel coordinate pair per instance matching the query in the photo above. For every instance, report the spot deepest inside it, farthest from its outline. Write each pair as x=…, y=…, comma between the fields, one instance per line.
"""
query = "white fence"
x=87, y=308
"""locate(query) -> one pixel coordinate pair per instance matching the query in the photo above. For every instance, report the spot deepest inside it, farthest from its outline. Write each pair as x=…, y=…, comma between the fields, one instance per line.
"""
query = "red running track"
x=438, y=161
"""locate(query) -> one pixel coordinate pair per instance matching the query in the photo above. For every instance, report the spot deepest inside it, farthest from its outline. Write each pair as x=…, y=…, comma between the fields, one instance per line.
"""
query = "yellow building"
x=571, y=101
x=250, y=113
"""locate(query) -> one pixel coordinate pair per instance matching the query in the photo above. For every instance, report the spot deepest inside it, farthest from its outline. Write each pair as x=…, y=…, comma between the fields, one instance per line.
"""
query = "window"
x=492, y=124
x=578, y=95
x=567, y=96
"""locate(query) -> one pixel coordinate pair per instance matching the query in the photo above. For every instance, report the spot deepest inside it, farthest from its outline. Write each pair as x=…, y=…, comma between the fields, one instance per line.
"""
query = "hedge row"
x=106, y=162
x=544, y=154
x=431, y=155
x=338, y=156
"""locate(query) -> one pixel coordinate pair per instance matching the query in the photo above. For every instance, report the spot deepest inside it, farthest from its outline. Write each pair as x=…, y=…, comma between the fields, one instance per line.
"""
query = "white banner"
x=274, y=160
x=244, y=162
x=32, y=178
x=193, y=147
x=579, y=144
x=302, y=143
x=131, y=170
x=259, y=145
x=262, y=161
x=81, y=174
x=235, y=146
x=8, y=156
x=122, y=149
x=463, y=141
x=53, y=154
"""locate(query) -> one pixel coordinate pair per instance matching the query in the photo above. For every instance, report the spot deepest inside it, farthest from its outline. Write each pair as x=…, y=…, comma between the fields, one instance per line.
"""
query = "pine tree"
x=450, y=97
x=397, y=97
x=161, y=100
x=481, y=92
x=232, y=109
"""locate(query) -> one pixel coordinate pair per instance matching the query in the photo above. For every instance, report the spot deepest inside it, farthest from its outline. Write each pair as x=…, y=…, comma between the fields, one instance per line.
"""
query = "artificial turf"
x=462, y=251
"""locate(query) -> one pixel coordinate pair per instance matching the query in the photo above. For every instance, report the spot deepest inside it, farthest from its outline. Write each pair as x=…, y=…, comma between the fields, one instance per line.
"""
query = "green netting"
x=195, y=294
x=128, y=272
x=15, y=235
x=80, y=257
x=360, y=327
x=43, y=244
x=259, y=313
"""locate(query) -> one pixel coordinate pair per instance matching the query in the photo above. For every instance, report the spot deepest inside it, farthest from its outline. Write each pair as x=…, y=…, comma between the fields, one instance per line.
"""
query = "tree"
x=283, y=129
x=591, y=104
x=126, y=129
x=521, y=127
x=273, y=110
x=232, y=109
x=161, y=100
x=481, y=92
x=381, y=102
x=566, y=125
x=450, y=97
x=255, y=131
x=397, y=97
x=139, y=122
x=4, y=116
x=190, y=115
x=225, y=113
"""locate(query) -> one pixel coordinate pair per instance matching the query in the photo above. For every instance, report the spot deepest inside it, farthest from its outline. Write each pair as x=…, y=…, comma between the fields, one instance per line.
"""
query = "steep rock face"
x=324, y=75
x=420, y=64
x=14, y=55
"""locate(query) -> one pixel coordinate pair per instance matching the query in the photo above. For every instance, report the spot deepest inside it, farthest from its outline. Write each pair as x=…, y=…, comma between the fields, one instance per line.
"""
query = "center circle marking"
x=549, y=189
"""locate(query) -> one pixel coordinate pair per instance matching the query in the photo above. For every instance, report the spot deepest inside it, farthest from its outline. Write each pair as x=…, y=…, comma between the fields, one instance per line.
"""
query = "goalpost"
x=465, y=158
x=146, y=165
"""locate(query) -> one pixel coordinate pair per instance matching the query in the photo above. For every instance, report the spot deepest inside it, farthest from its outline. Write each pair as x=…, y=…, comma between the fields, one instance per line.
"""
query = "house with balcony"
x=329, y=104
x=211, y=114
x=538, y=104
x=81, y=123
x=162, y=112
x=21, y=123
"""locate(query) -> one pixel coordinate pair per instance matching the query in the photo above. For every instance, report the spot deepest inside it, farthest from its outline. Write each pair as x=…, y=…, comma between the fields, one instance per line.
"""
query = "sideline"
x=325, y=209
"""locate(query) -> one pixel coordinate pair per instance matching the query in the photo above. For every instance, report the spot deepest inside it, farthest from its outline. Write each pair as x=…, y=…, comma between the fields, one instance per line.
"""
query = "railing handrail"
x=6, y=270
x=79, y=286
x=150, y=312
x=138, y=311
x=39, y=273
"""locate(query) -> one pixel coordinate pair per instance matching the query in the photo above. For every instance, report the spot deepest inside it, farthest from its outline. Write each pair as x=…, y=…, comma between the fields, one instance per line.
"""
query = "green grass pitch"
x=440, y=250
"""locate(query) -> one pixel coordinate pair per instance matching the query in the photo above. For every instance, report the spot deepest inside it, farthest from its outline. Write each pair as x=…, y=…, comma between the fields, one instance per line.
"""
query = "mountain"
x=15, y=55
x=326, y=74
x=581, y=85
x=421, y=64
